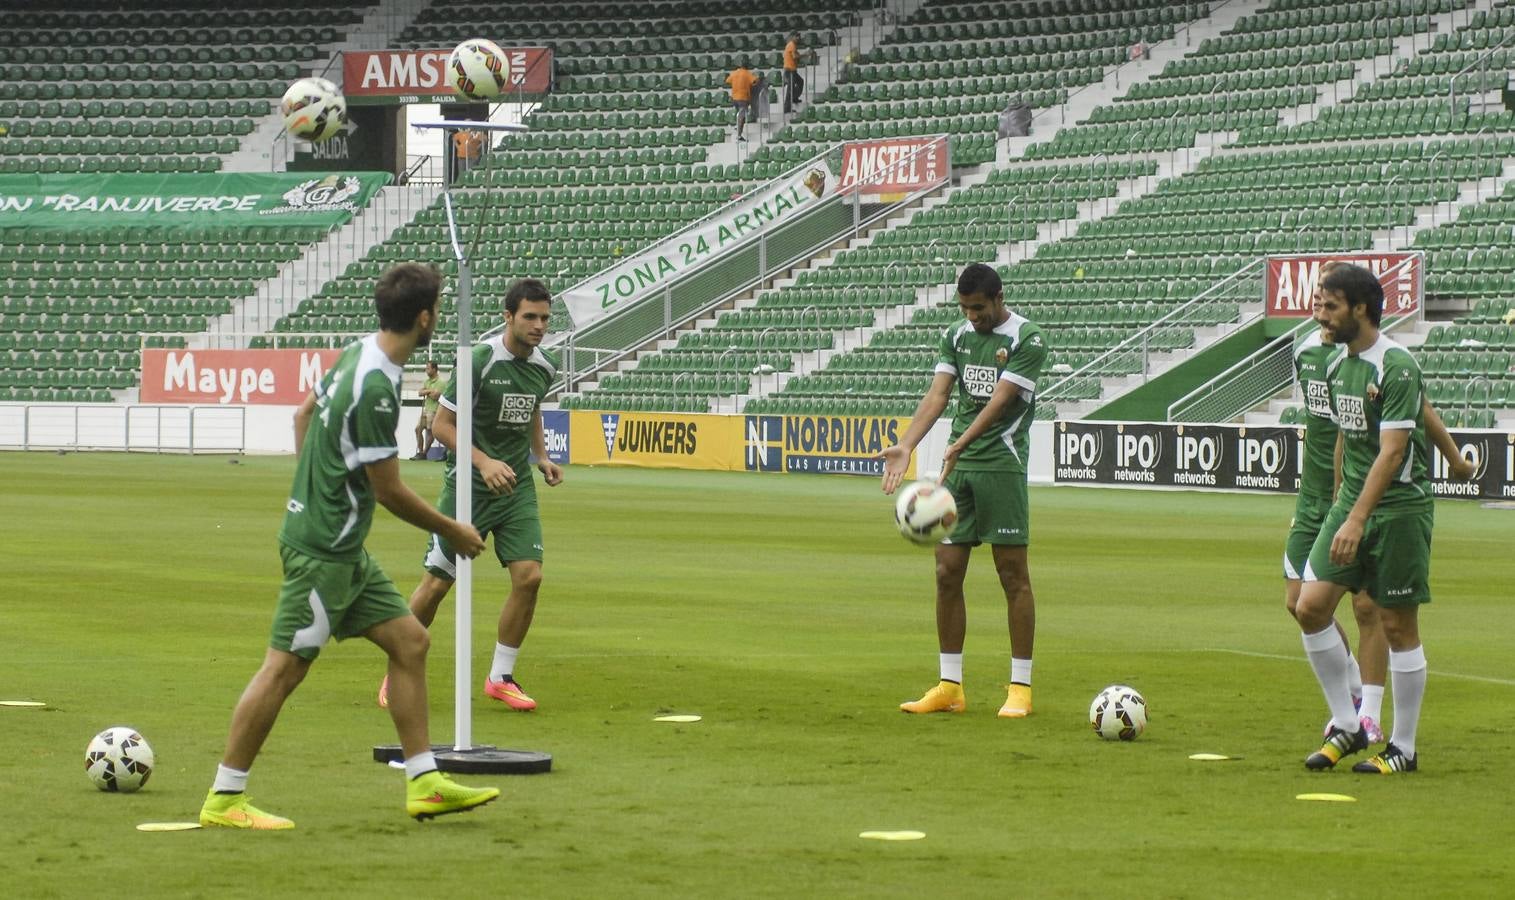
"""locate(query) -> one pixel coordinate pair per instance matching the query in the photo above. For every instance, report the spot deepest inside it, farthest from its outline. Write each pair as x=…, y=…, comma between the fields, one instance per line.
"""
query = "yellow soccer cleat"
x=1017, y=702
x=433, y=794
x=947, y=696
x=236, y=811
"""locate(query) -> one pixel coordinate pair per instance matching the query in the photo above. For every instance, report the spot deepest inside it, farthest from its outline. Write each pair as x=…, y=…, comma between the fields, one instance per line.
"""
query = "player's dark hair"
x=404, y=292
x=1359, y=287
x=980, y=279
x=525, y=289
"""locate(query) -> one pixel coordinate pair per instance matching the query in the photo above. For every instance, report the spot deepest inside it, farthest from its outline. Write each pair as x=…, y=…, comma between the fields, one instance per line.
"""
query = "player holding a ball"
x=993, y=360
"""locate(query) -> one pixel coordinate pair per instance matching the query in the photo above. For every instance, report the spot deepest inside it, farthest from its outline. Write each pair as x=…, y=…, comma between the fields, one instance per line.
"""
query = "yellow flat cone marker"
x=892, y=835
x=676, y=719
x=23, y=704
x=1329, y=798
x=168, y=826
x=1210, y=757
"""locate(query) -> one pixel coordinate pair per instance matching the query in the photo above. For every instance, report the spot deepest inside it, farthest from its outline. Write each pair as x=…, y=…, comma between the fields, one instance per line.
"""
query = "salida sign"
x=1289, y=284
x=398, y=76
x=278, y=377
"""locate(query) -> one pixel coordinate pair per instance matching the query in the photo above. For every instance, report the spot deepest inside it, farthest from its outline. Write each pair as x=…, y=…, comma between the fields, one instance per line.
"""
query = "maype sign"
x=1289, y=283
x=400, y=76
x=277, y=377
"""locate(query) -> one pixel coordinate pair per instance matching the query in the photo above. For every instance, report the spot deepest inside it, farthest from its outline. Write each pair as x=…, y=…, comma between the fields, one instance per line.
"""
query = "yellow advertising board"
x=815, y=445
x=655, y=440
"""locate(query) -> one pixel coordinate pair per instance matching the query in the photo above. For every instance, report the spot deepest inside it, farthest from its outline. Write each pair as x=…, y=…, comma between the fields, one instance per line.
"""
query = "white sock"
x=1328, y=657
x=1354, y=675
x=1020, y=671
x=229, y=780
x=1372, y=702
x=504, y=662
x=1407, y=671
x=952, y=667
x=420, y=764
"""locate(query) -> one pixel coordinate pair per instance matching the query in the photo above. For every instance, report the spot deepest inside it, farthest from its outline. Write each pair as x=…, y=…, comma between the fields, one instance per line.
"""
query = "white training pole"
x=462, y=374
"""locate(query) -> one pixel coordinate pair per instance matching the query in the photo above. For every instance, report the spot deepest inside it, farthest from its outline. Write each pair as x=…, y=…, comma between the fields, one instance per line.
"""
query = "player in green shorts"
x=1367, y=670
x=1377, y=535
x=511, y=376
x=993, y=360
x=348, y=460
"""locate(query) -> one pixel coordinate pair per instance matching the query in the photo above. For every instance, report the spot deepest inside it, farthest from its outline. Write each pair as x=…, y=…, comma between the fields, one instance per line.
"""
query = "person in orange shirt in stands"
x=741, y=80
x=792, y=81
x=467, y=144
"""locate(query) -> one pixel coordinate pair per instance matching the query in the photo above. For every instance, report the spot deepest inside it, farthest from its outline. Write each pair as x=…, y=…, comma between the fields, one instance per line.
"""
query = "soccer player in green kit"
x=1317, y=488
x=993, y=360
x=511, y=376
x=1377, y=535
x=348, y=459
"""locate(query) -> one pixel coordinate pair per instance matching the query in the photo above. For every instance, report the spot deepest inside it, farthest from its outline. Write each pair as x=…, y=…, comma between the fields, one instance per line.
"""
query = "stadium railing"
x=1217, y=305
x=1265, y=372
x=732, y=273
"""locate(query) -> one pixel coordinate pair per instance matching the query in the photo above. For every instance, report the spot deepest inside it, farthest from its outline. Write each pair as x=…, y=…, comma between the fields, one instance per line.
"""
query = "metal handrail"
x=1481, y=61
x=1141, y=337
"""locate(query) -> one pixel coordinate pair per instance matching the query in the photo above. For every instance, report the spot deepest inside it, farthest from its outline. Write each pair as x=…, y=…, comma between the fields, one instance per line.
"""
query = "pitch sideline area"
x=788, y=615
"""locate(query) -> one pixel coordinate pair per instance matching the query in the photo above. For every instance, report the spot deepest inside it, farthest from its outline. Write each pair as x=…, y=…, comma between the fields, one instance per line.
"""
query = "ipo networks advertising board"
x=1249, y=458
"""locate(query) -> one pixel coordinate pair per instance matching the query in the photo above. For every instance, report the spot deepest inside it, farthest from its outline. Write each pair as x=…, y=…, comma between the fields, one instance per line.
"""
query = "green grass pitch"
x=784, y=610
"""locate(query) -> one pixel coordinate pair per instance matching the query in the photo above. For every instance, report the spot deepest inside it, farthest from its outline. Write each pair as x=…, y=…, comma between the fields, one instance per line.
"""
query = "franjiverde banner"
x=277, y=199
x=647, y=272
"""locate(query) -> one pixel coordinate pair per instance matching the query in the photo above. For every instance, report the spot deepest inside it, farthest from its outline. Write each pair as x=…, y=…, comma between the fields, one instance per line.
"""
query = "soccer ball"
x=118, y=759
x=313, y=109
x=925, y=512
x=1118, y=713
x=478, y=69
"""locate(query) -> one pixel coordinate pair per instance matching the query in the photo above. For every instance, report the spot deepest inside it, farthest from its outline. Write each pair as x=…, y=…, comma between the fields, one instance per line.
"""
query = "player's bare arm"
x=552, y=473
x=497, y=476
x=933, y=404
x=1393, y=444
x=397, y=497
x=1461, y=467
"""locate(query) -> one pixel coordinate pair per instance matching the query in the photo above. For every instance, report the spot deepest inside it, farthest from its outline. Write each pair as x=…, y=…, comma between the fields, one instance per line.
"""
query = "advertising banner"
x=823, y=445
x=655, y=440
x=281, y=377
x=895, y=167
x=1289, y=283
x=420, y=76
x=647, y=272
x=158, y=201
x=1242, y=457
x=555, y=429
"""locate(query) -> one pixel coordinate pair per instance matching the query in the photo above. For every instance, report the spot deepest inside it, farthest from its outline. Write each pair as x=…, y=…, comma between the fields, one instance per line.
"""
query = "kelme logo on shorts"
x=515, y=409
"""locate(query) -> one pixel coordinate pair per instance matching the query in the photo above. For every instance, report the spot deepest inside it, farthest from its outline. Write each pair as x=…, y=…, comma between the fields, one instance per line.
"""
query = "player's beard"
x=424, y=339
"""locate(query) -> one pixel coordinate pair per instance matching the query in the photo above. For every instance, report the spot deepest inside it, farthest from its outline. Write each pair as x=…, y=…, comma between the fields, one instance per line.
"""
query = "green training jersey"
x=508, y=390
x=331, y=505
x=1014, y=351
x=1375, y=391
x=1317, y=477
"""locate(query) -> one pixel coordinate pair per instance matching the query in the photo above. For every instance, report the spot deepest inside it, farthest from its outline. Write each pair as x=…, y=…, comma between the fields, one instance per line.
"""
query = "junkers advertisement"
x=1243, y=457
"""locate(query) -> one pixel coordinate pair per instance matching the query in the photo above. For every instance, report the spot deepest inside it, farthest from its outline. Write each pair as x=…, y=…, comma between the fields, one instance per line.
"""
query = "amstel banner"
x=895, y=166
x=232, y=377
x=1289, y=283
x=821, y=445
x=655, y=440
x=416, y=76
